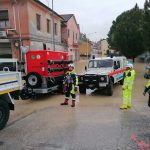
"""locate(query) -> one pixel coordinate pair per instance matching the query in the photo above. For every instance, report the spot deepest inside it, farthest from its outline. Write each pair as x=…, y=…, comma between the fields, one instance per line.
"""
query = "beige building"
x=104, y=46
x=85, y=48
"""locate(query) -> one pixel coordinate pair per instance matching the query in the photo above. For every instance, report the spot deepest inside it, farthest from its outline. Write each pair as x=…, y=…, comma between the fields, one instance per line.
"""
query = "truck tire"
x=109, y=88
x=24, y=94
x=33, y=80
x=4, y=113
x=61, y=87
x=121, y=82
x=82, y=89
x=146, y=76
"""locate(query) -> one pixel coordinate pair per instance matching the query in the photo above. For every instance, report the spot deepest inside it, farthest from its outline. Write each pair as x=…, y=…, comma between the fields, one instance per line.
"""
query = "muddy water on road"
x=27, y=107
x=95, y=124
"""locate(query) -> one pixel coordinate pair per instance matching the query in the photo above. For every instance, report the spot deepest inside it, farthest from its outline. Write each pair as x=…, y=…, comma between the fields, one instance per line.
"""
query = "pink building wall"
x=17, y=10
x=72, y=38
x=73, y=43
x=26, y=31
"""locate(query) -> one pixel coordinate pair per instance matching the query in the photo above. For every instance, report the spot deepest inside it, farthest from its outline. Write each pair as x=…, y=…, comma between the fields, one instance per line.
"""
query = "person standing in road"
x=70, y=85
x=128, y=86
x=147, y=90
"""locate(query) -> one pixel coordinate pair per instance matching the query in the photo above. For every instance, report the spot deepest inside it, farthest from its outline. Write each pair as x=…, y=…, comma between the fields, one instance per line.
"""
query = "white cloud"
x=94, y=15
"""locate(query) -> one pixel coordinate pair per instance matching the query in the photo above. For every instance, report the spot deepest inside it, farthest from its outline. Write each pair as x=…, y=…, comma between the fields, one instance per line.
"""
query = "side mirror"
x=85, y=68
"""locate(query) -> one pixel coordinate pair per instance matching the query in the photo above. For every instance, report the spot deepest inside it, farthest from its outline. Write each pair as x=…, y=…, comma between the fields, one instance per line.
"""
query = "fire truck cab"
x=103, y=73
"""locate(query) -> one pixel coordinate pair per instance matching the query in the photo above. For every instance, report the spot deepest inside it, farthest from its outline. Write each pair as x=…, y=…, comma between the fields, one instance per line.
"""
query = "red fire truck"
x=44, y=71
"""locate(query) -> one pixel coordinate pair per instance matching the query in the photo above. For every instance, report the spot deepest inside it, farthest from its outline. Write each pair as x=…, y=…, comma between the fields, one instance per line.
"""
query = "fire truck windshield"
x=100, y=63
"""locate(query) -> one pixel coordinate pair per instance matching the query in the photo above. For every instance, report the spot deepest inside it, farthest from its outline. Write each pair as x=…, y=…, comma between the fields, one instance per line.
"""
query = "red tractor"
x=45, y=71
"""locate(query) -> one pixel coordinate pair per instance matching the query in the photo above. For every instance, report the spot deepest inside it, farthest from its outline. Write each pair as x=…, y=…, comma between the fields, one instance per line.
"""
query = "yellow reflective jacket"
x=129, y=76
x=71, y=78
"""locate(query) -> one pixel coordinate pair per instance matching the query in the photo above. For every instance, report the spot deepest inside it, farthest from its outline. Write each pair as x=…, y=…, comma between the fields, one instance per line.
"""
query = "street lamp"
x=87, y=44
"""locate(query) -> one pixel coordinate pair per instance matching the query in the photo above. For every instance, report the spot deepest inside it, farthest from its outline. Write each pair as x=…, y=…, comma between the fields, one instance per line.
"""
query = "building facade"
x=104, y=47
x=85, y=46
x=28, y=23
x=70, y=35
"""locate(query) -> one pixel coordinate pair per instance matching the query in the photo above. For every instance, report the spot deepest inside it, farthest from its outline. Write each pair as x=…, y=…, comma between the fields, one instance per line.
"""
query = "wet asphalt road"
x=95, y=124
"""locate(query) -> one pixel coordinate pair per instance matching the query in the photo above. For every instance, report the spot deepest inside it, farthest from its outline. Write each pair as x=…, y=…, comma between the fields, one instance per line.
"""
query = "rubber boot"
x=73, y=103
x=123, y=107
x=129, y=105
x=65, y=102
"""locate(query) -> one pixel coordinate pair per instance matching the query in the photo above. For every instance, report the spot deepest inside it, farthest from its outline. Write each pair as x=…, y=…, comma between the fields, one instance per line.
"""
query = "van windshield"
x=100, y=63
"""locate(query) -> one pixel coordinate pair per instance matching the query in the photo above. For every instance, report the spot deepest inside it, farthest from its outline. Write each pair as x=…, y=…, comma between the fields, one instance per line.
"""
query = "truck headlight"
x=102, y=78
x=81, y=78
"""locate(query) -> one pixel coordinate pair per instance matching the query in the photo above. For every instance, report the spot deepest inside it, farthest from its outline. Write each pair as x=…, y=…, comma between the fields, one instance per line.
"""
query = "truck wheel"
x=60, y=88
x=121, y=82
x=4, y=113
x=24, y=94
x=82, y=89
x=145, y=75
x=33, y=80
x=109, y=89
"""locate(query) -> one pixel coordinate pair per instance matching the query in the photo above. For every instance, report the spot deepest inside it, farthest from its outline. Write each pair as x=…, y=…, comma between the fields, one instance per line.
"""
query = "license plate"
x=102, y=84
x=91, y=85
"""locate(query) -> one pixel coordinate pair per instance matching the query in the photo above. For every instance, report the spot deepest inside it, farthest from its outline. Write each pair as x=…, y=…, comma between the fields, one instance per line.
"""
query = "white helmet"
x=129, y=66
x=71, y=65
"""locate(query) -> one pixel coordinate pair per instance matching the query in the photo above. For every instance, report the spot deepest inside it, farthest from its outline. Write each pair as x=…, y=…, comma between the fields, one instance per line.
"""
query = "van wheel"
x=33, y=80
x=4, y=113
x=109, y=88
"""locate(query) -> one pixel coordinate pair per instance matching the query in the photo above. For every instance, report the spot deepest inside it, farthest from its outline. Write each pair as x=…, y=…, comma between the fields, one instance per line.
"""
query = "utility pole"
x=53, y=27
x=87, y=42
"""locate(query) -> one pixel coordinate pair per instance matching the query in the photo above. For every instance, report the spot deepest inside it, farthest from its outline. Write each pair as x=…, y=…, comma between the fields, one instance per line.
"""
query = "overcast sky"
x=94, y=15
